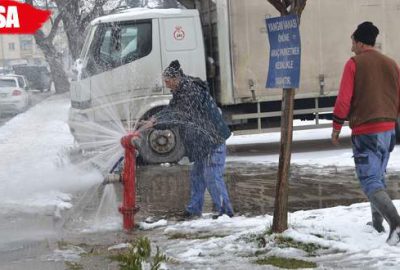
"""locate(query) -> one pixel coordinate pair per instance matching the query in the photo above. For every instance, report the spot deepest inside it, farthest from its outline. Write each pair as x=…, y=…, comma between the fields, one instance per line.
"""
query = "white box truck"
x=225, y=43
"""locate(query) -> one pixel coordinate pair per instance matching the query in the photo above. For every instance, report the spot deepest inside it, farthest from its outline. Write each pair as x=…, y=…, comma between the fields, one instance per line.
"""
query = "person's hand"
x=152, y=120
x=147, y=124
x=335, y=137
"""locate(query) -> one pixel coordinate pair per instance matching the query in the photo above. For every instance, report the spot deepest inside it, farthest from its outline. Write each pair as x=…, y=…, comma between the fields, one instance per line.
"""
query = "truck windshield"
x=118, y=43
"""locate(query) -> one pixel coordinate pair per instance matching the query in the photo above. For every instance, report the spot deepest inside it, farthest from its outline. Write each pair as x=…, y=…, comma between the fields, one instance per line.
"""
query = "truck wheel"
x=398, y=130
x=161, y=146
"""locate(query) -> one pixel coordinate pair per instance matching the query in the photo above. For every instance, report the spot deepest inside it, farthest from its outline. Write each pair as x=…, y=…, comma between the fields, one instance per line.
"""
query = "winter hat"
x=173, y=70
x=366, y=33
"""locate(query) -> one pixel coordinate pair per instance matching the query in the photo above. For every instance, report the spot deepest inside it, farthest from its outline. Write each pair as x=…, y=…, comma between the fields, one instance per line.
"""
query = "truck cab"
x=119, y=76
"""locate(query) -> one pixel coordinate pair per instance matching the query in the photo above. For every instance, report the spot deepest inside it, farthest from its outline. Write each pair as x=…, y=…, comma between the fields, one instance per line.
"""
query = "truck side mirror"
x=77, y=68
x=211, y=68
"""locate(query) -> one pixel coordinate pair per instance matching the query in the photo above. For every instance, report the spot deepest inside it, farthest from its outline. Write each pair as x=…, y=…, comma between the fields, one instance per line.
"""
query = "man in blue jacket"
x=203, y=132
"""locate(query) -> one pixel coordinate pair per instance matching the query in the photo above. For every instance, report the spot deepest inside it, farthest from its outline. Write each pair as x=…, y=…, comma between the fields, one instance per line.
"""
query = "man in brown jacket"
x=369, y=98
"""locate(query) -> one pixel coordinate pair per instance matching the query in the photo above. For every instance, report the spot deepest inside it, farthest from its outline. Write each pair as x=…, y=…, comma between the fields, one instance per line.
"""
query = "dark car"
x=37, y=76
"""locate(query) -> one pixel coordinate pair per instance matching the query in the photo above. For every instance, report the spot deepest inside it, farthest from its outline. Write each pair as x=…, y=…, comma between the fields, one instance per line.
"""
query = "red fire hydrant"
x=128, y=207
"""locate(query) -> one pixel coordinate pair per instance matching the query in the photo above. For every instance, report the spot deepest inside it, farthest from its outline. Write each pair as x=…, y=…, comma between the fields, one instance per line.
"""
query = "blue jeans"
x=208, y=173
x=371, y=156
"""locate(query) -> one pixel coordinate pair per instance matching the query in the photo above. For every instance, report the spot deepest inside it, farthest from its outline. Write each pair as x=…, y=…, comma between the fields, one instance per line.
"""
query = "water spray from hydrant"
x=128, y=207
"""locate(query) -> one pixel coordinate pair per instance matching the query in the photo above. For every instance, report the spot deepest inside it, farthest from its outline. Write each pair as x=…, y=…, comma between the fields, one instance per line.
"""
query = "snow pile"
x=233, y=243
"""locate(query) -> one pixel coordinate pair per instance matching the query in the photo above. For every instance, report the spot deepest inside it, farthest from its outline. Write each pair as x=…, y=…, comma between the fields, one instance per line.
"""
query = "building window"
x=26, y=45
x=11, y=46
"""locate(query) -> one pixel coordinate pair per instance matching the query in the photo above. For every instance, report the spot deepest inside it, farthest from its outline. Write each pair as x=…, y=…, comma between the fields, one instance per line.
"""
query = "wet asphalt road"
x=165, y=191
x=36, y=97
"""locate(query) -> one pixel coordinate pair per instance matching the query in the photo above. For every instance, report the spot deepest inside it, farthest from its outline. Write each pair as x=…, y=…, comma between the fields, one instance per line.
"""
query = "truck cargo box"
x=236, y=38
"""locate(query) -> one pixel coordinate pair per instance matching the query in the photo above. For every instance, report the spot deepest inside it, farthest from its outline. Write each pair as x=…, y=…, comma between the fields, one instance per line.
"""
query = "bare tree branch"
x=54, y=28
x=68, y=8
x=117, y=6
x=280, y=6
x=286, y=7
x=297, y=7
x=40, y=36
x=287, y=3
x=96, y=11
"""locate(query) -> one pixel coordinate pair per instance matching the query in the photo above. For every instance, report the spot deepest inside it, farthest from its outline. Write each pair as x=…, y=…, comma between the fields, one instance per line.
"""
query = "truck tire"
x=398, y=130
x=161, y=146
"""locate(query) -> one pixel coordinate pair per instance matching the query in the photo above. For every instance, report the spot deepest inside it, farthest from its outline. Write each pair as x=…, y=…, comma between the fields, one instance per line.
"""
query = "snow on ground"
x=35, y=171
x=230, y=243
x=342, y=157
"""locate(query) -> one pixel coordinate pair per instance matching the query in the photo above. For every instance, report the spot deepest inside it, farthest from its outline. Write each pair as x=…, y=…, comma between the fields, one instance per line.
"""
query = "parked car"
x=21, y=80
x=38, y=76
x=13, y=97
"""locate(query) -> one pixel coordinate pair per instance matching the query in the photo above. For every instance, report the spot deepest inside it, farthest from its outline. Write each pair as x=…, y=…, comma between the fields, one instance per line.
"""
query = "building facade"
x=19, y=50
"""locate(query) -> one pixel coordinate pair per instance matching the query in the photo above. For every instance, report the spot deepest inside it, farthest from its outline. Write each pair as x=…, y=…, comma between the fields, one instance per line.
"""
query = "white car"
x=13, y=96
x=22, y=81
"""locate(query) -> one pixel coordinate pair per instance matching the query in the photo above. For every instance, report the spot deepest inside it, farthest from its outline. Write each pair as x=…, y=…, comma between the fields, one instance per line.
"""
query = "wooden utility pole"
x=280, y=220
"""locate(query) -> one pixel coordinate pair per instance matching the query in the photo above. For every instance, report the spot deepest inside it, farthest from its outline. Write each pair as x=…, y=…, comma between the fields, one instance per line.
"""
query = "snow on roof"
x=145, y=13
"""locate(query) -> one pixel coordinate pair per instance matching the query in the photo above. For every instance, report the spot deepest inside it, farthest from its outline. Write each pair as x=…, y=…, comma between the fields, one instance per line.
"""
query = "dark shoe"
x=217, y=215
x=378, y=227
x=186, y=215
x=394, y=237
x=377, y=220
x=384, y=205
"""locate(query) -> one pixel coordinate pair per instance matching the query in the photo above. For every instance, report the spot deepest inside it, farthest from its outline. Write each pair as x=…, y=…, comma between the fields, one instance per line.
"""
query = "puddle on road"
x=162, y=190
